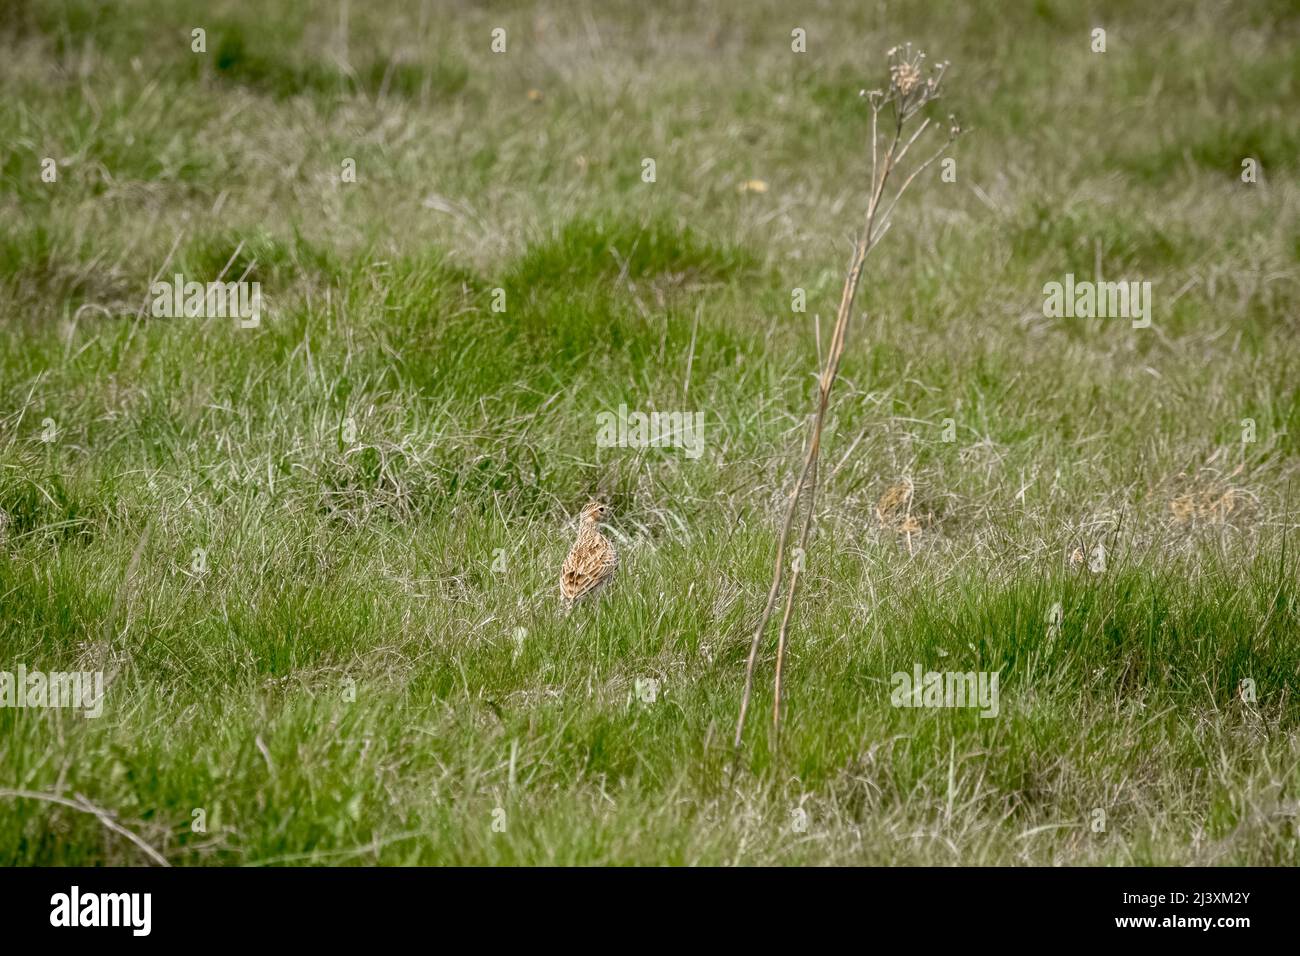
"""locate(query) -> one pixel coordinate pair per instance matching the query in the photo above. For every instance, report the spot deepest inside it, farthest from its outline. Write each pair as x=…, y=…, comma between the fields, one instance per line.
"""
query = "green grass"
x=342, y=683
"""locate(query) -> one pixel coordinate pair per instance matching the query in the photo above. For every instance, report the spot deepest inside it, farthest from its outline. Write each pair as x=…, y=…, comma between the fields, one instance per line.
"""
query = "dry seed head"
x=904, y=76
x=909, y=88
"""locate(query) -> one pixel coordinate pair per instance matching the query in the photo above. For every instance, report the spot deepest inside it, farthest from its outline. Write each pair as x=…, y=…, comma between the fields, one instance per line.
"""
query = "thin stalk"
x=805, y=487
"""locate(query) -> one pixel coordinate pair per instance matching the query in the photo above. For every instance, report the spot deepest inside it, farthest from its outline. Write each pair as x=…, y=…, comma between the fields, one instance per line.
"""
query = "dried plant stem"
x=789, y=604
x=85, y=806
x=804, y=490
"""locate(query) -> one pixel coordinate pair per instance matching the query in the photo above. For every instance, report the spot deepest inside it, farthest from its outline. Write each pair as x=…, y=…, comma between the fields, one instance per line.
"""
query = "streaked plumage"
x=895, y=506
x=592, y=560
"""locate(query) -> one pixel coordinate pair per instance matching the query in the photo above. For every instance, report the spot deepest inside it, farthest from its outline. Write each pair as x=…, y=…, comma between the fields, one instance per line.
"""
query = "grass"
x=342, y=682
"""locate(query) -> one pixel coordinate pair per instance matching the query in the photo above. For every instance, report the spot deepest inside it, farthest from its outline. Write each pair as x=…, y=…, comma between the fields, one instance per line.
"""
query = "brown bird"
x=895, y=506
x=592, y=560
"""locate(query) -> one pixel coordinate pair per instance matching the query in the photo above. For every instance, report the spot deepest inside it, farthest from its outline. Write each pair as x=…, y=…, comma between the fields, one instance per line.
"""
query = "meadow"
x=316, y=560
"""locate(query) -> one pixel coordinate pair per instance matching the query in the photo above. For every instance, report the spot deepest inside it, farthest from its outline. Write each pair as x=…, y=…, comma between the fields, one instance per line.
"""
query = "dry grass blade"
x=85, y=806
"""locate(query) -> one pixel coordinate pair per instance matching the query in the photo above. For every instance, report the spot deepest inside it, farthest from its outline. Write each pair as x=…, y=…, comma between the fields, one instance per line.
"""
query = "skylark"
x=894, y=508
x=592, y=560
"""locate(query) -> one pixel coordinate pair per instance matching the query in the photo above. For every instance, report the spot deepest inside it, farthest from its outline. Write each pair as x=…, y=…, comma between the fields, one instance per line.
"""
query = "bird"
x=592, y=560
x=895, y=506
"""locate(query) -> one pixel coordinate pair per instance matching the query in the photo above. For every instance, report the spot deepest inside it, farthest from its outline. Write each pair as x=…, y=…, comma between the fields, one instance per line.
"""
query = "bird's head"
x=595, y=512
